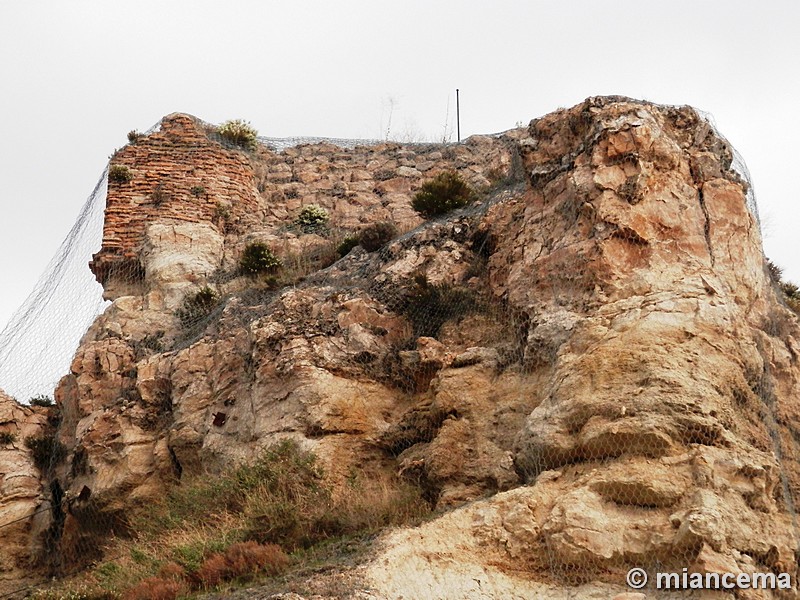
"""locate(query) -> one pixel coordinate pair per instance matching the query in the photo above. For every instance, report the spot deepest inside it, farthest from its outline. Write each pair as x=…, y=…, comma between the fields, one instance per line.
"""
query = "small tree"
x=257, y=258
x=445, y=192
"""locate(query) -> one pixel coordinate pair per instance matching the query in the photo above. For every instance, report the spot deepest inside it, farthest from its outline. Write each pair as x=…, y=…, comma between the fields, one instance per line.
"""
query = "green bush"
x=347, y=244
x=197, y=191
x=134, y=136
x=46, y=450
x=239, y=133
x=445, y=192
x=6, y=437
x=376, y=236
x=119, y=174
x=257, y=258
x=41, y=400
x=312, y=219
x=196, y=306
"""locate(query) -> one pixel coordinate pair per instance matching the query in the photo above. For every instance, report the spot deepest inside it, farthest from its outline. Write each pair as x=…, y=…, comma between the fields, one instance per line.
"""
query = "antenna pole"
x=458, y=117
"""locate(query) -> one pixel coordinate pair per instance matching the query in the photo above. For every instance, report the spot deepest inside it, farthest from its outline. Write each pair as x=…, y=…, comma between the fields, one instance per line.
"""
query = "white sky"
x=76, y=76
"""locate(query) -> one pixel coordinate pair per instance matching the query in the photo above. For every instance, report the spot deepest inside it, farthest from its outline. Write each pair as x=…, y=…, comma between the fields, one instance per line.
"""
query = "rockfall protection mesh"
x=37, y=346
x=39, y=340
x=37, y=343
x=738, y=164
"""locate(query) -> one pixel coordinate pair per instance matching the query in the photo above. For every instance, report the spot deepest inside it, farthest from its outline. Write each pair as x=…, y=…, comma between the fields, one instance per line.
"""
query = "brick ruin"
x=177, y=173
x=184, y=173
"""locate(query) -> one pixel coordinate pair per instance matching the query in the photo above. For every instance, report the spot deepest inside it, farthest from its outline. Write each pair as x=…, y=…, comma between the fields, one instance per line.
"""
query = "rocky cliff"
x=24, y=505
x=587, y=369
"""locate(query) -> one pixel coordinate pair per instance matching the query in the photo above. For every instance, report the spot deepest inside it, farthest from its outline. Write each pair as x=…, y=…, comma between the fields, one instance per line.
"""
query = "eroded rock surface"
x=21, y=492
x=593, y=354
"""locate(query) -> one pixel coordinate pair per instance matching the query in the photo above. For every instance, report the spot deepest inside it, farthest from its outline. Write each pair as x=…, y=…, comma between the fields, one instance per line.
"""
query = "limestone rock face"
x=664, y=435
x=177, y=256
x=21, y=492
x=593, y=356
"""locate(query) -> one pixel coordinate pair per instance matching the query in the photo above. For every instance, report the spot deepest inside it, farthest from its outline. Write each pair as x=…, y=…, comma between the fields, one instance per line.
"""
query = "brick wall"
x=265, y=190
x=168, y=170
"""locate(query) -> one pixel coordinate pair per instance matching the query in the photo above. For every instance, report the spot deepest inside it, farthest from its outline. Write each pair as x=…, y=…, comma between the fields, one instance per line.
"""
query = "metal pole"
x=458, y=117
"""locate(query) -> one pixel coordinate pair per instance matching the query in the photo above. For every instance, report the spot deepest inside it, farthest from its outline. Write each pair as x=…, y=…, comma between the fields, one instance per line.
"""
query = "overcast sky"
x=76, y=76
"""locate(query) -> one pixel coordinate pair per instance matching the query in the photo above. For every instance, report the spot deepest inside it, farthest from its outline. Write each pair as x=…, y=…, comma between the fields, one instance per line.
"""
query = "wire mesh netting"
x=566, y=332
x=38, y=342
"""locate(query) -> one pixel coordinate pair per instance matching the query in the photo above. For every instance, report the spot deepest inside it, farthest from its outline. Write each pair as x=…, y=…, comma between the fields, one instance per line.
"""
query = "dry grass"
x=239, y=527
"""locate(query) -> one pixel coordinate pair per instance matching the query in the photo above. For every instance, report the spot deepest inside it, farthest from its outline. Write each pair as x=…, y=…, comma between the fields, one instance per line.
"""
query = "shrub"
x=119, y=174
x=257, y=258
x=312, y=219
x=792, y=295
x=134, y=136
x=277, y=498
x=429, y=306
x=239, y=133
x=197, y=190
x=156, y=588
x=46, y=450
x=159, y=195
x=196, y=306
x=242, y=561
x=790, y=291
x=445, y=192
x=246, y=558
x=41, y=400
x=172, y=570
x=222, y=211
x=213, y=571
x=366, y=505
x=775, y=272
x=376, y=236
x=6, y=437
x=347, y=244
x=285, y=496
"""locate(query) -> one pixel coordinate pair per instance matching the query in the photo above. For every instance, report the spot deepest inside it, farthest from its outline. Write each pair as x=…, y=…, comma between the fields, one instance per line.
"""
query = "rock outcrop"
x=593, y=356
x=664, y=435
x=21, y=492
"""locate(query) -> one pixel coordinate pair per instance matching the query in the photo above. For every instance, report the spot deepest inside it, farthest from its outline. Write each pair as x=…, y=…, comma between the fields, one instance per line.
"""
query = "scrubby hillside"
x=586, y=368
